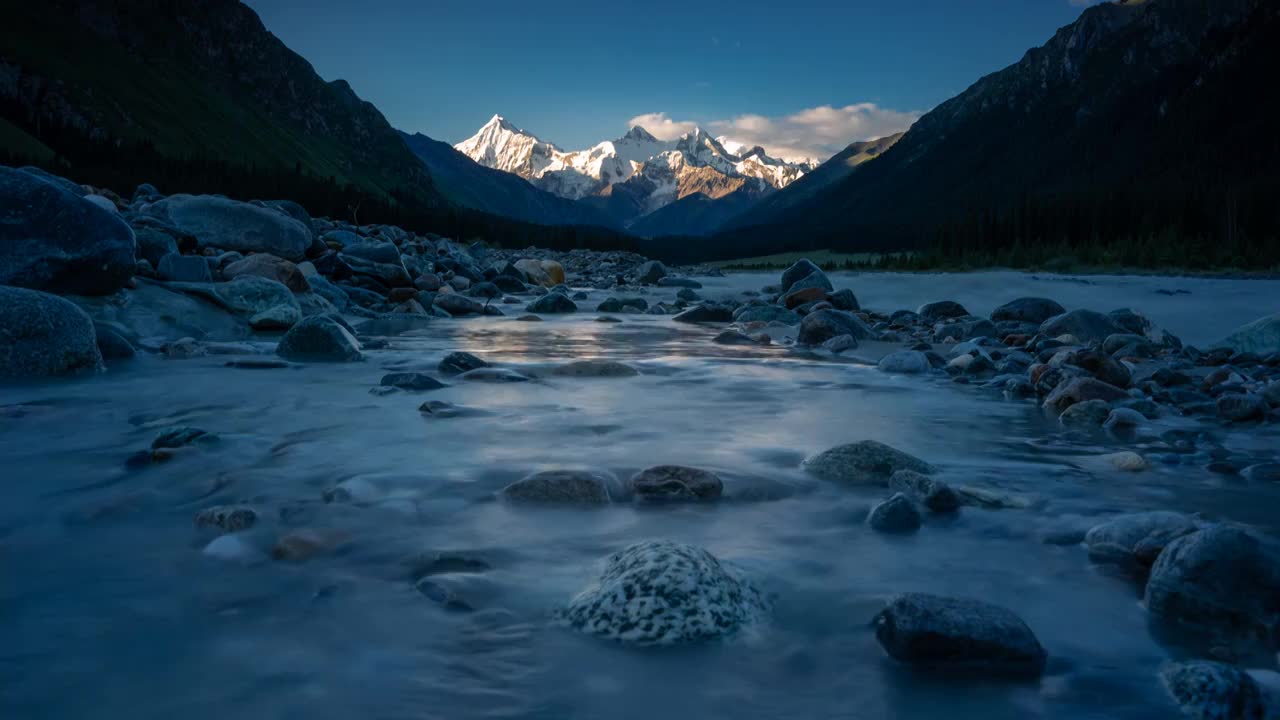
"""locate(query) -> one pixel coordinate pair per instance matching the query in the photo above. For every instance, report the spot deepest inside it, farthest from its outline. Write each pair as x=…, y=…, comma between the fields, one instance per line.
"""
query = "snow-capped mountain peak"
x=664, y=171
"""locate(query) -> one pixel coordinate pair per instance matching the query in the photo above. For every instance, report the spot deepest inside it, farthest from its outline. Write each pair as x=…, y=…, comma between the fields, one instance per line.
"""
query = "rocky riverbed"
x=270, y=465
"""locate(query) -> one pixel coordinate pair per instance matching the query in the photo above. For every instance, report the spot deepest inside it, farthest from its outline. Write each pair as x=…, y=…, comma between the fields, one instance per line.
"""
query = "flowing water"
x=109, y=608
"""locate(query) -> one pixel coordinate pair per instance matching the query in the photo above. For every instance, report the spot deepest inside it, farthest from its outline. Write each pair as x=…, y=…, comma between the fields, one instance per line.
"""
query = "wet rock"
x=43, y=335
x=1262, y=336
x=1222, y=579
x=651, y=272
x=1027, y=309
x=1127, y=461
x=226, y=224
x=302, y=545
x=231, y=547
x=958, y=634
x=1087, y=414
x=665, y=593
x=456, y=363
x=1124, y=418
x=675, y=483
x=1167, y=377
x=941, y=310
x=905, y=362
x=898, y=514
x=559, y=487
x=493, y=375
x=839, y=344
x=270, y=267
x=1077, y=390
x=818, y=327
x=529, y=318
x=594, y=368
x=280, y=317
x=705, y=313
x=458, y=305
x=52, y=239
x=112, y=344
x=685, y=283
x=1099, y=365
x=552, y=303
x=733, y=337
x=319, y=339
x=1214, y=691
x=930, y=492
x=229, y=518
x=250, y=295
x=765, y=313
x=844, y=300
x=620, y=305
x=411, y=381
x=863, y=463
x=184, y=268
x=1130, y=539
x=803, y=297
x=1242, y=407
x=1084, y=325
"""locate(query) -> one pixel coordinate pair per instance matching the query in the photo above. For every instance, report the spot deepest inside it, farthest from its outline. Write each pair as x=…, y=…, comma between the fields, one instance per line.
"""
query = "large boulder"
x=456, y=304
x=905, y=362
x=942, y=310
x=797, y=272
x=52, y=239
x=271, y=268
x=866, y=462
x=1136, y=539
x=675, y=483
x=819, y=327
x=43, y=334
x=665, y=593
x=1262, y=336
x=1083, y=325
x=1027, y=309
x=319, y=339
x=957, y=633
x=651, y=272
x=559, y=487
x=535, y=272
x=159, y=313
x=226, y=224
x=1222, y=579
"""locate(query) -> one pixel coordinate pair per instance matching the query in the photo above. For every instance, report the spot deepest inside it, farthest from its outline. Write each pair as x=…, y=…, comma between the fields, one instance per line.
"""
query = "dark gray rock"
x=456, y=363
x=863, y=463
x=930, y=492
x=1027, y=309
x=112, y=344
x=619, y=305
x=54, y=240
x=1214, y=691
x=228, y=518
x=1131, y=539
x=651, y=272
x=1223, y=579
x=456, y=304
x=43, y=334
x=1242, y=407
x=675, y=483
x=559, y=487
x=184, y=268
x=319, y=339
x=226, y=224
x=797, y=272
x=765, y=313
x=818, y=327
x=411, y=381
x=251, y=295
x=665, y=593
x=1083, y=325
x=958, y=634
x=596, y=367
x=552, y=303
x=898, y=514
x=1086, y=414
x=844, y=300
x=705, y=312
x=942, y=310
x=906, y=362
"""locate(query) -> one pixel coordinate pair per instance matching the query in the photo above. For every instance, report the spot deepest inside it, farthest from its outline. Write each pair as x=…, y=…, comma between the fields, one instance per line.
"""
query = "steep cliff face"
x=193, y=78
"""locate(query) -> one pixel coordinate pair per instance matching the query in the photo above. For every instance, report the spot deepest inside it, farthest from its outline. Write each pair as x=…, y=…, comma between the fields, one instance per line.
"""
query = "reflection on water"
x=111, y=609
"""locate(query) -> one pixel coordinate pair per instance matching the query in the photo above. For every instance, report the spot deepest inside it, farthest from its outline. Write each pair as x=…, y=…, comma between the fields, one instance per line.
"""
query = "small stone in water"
x=675, y=483
x=1127, y=461
x=895, y=515
x=411, y=381
x=231, y=518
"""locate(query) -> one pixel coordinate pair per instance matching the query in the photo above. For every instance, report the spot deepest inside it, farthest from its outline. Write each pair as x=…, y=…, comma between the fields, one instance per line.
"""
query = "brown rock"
x=271, y=268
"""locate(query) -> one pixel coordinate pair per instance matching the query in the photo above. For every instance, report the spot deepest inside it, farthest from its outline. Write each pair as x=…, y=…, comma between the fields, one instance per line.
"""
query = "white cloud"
x=817, y=132
x=661, y=126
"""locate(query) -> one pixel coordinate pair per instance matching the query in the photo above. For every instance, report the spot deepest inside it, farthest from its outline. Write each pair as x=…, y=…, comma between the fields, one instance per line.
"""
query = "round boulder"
x=863, y=463
x=226, y=224
x=665, y=593
x=43, y=335
x=958, y=634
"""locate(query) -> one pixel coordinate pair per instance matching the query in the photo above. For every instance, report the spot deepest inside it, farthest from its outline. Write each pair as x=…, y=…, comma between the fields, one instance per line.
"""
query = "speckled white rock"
x=665, y=593
x=1127, y=461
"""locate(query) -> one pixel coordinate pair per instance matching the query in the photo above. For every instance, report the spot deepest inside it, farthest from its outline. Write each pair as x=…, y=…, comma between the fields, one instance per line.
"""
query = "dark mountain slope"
x=696, y=214
x=192, y=79
x=1142, y=125
x=467, y=183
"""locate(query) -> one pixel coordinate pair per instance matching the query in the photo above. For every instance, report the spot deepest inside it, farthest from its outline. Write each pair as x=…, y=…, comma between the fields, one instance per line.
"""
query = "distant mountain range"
x=637, y=174
x=1146, y=125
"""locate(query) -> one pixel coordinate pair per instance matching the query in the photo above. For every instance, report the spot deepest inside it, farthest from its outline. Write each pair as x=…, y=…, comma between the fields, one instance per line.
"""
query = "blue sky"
x=800, y=77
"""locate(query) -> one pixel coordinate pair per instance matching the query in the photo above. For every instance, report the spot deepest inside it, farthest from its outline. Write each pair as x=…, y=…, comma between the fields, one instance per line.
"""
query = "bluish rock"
x=43, y=335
